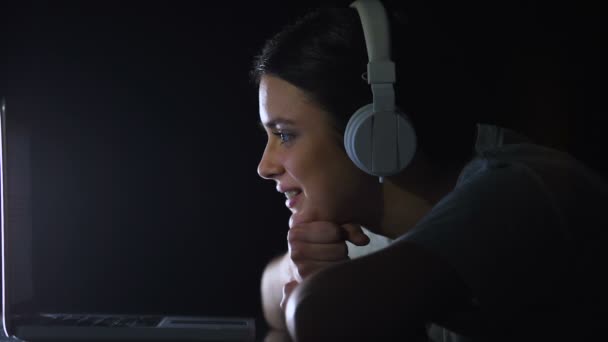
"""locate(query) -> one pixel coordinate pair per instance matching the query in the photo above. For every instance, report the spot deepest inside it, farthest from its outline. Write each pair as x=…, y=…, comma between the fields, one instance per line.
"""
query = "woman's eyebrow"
x=276, y=122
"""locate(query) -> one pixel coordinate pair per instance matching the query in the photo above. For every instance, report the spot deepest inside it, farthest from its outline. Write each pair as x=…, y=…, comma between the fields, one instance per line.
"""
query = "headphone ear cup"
x=359, y=147
x=407, y=141
x=360, y=137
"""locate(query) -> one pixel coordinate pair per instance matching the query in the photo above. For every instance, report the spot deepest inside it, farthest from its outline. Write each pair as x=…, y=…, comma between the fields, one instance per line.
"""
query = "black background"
x=145, y=144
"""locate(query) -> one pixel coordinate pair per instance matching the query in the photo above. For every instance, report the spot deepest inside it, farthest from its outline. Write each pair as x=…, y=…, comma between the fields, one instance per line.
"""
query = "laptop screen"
x=16, y=214
x=116, y=212
x=119, y=209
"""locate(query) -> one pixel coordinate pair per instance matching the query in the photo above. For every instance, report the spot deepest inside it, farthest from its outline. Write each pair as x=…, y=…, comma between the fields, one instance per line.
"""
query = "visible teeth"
x=291, y=194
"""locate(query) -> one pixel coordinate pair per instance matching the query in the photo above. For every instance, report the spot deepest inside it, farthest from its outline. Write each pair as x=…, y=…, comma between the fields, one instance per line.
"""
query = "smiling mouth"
x=292, y=198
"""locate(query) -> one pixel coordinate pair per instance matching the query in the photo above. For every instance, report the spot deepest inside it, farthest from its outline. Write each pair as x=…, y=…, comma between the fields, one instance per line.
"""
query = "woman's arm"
x=311, y=246
x=275, y=275
x=387, y=295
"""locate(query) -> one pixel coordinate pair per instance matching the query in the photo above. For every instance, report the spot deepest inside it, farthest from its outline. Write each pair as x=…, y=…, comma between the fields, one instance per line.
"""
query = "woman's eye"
x=285, y=137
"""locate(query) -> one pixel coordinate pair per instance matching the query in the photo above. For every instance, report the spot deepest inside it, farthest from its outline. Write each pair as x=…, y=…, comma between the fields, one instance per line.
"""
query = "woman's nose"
x=269, y=167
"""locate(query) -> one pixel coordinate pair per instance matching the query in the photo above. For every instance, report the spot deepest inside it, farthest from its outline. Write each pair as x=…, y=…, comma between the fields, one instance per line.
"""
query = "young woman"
x=483, y=236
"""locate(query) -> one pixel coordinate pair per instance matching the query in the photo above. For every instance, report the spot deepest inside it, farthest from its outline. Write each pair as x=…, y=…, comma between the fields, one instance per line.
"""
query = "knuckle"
x=337, y=236
x=335, y=233
x=291, y=234
x=295, y=252
x=324, y=227
x=328, y=231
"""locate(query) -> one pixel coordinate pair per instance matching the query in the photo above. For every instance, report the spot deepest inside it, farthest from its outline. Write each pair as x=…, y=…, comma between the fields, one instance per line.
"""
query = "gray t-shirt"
x=525, y=228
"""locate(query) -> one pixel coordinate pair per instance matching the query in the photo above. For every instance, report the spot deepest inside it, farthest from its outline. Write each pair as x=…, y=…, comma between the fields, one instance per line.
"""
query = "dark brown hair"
x=447, y=80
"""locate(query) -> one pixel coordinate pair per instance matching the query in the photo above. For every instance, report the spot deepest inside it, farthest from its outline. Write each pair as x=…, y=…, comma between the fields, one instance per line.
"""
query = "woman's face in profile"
x=304, y=155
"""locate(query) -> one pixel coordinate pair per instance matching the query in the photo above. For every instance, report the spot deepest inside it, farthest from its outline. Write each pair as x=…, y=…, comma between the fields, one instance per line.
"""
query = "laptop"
x=22, y=321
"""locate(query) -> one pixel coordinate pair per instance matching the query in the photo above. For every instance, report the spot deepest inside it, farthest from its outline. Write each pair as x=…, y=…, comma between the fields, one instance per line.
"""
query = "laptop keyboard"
x=96, y=320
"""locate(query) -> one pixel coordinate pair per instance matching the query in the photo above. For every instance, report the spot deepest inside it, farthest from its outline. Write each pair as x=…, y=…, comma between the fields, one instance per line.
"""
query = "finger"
x=299, y=250
x=287, y=290
x=317, y=232
x=354, y=233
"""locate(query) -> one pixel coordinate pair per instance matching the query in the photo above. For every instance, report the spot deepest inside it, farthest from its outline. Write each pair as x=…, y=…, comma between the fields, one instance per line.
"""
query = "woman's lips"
x=292, y=201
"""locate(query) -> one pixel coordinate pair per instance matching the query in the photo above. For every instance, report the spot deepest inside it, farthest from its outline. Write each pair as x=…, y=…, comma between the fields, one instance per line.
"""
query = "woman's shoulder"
x=504, y=153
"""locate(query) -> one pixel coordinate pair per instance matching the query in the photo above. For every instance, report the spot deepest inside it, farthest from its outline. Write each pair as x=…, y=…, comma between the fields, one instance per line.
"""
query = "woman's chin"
x=303, y=216
x=306, y=216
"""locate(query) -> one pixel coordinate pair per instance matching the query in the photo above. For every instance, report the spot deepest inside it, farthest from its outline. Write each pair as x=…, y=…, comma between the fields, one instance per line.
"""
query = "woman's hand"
x=317, y=245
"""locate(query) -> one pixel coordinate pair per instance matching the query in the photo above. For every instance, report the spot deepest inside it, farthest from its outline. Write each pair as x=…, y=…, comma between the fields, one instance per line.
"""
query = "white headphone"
x=379, y=138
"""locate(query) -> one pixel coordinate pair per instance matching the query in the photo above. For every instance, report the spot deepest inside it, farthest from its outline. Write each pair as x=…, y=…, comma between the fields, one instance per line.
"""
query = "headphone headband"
x=380, y=68
x=379, y=139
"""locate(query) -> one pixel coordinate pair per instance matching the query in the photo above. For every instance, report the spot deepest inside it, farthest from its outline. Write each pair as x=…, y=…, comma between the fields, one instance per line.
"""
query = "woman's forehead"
x=274, y=91
x=282, y=103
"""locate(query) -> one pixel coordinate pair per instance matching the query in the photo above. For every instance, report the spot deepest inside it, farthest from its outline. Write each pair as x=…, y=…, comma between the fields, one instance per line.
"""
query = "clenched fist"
x=313, y=246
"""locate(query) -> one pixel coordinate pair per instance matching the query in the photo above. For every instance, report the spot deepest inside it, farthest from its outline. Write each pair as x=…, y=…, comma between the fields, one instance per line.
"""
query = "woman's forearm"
x=275, y=275
x=393, y=292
